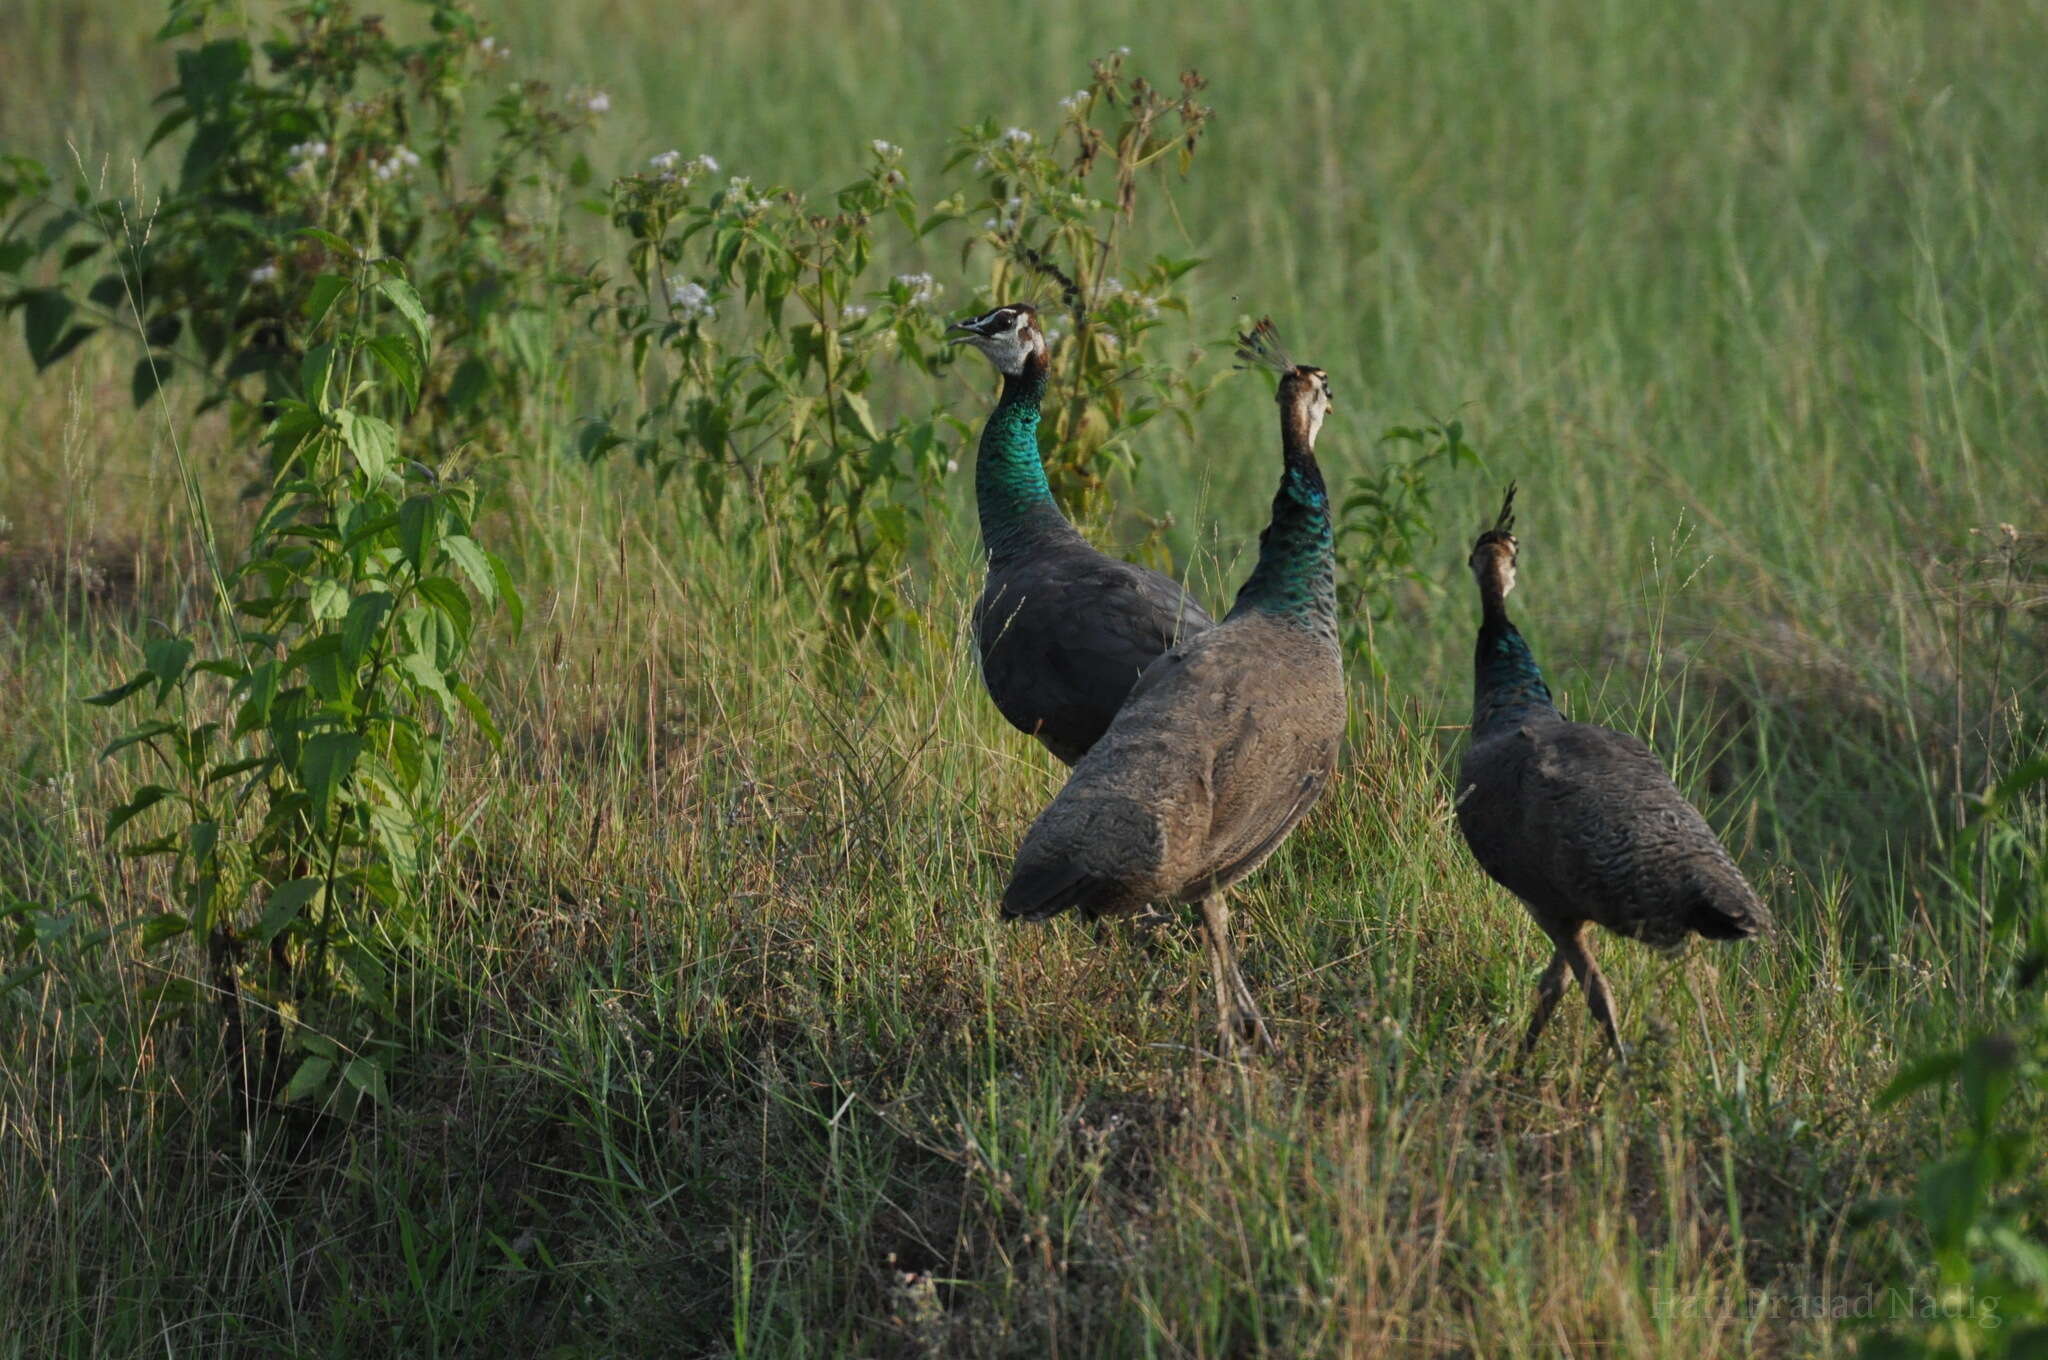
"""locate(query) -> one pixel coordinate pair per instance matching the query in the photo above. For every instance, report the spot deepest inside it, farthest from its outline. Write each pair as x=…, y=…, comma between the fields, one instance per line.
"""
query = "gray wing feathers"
x=1064, y=636
x=1222, y=748
x=1583, y=823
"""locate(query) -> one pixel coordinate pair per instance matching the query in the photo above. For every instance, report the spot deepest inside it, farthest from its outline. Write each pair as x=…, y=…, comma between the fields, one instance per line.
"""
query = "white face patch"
x=1314, y=401
x=1010, y=341
x=1495, y=560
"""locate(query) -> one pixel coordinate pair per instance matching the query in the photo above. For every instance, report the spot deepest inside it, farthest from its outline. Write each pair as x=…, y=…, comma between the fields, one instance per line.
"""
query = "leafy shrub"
x=1384, y=519
x=328, y=123
x=303, y=760
x=757, y=321
x=1982, y=1205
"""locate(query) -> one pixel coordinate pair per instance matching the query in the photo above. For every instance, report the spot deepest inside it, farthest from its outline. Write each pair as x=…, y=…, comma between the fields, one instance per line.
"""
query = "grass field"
x=722, y=1047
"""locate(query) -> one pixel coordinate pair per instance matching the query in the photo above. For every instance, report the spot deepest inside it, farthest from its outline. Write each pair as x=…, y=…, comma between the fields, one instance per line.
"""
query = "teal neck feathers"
x=1507, y=684
x=1295, y=578
x=1010, y=491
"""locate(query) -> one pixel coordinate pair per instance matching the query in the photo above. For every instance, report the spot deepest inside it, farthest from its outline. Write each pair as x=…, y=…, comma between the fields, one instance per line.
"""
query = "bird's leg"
x=1549, y=988
x=1238, y=1016
x=1598, y=999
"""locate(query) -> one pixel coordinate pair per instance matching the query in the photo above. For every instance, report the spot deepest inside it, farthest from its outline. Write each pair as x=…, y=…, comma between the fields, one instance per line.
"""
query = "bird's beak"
x=966, y=330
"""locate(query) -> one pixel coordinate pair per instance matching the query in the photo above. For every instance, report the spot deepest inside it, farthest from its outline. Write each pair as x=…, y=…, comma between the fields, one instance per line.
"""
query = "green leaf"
x=407, y=302
x=166, y=659
x=365, y=614
x=310, y=1079
x=286, y=901
x=331, y=241
x=415, y=523
x=172, y=121
x=370, y=974
x=366, y=1076
x=137, y=735
x=107, y=698
x=474, y=563
x=1951, y=1193
x=165, y=925
x=148, y=379
x=235, y=767
x=372, y=441
x=394, y=829
x=146, y=797
x=324, y=765
x=396, y=353
x=508, y=594
x=472, y=379
x=443, y=594
x=327, y=599
x=479, y=715
x=208, y=75
x=326, y=289
x=292, y=427
x=1988, y=1067
x=863, y=418
x=421, y=670
x=45, y=318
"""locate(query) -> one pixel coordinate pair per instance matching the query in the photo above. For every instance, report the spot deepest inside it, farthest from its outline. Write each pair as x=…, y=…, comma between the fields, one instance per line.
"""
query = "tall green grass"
x=726, y=1053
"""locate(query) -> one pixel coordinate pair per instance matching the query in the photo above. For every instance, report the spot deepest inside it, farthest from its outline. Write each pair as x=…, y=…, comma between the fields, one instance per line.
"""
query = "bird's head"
x=1304, y=394
x=1009, y=336
x=1493, y=556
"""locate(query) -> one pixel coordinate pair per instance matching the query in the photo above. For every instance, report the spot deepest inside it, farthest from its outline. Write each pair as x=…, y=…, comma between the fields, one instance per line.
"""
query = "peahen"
x=1226, y=742
x=1578, y=821
x=1064, y=630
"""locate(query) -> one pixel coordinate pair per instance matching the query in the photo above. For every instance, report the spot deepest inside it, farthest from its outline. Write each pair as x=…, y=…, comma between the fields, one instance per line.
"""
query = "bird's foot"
x=1244, y=1031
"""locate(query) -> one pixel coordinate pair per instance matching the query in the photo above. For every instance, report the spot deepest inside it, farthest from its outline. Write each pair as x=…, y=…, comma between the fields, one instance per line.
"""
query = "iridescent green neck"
x=1010, y=490
x=1507, y=684
x=1296, y=575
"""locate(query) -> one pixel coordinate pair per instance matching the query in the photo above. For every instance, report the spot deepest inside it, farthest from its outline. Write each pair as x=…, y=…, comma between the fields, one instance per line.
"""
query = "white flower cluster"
x=1006, y=220
x=490, y=49
x=849, y=315
x=691, y=300
x=262, y=274
x=309, y=155
x=1144, y=302
x=740, y=198
x=596, y=101
x=402, y=160
x=1017, y=136
x=1074, y=100
x=888, y=151
x=671, y=166
x=923, y=288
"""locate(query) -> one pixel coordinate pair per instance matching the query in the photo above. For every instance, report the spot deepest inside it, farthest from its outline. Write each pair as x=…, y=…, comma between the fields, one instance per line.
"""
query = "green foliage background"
x=719, y=1047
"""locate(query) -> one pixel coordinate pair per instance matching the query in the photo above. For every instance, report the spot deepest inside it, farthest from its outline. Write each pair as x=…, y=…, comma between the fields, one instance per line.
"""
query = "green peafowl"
x=1227, y=741
x=1064, y=630
x=1580, y=822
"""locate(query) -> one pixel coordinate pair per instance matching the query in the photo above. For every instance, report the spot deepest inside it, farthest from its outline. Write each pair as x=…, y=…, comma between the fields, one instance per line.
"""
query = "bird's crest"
x=1504, y=524
x=1260, y=347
